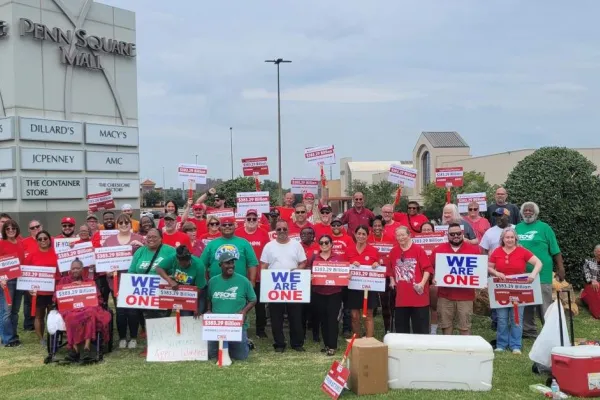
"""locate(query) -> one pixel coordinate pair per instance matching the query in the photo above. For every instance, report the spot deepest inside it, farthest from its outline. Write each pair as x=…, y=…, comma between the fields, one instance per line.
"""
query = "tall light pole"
x=164, y=188
x=231, y=148
x=277, y=62
x=196, y=159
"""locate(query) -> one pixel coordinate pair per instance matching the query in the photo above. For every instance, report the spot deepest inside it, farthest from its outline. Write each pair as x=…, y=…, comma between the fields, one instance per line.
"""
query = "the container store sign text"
x=80, y=39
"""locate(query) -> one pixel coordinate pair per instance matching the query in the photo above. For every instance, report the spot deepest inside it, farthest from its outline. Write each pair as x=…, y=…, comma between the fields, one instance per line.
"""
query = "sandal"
x=330, y=352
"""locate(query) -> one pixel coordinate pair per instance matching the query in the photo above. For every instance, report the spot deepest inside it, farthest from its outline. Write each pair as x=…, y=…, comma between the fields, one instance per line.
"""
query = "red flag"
x=257, y=183
x=448, y=196
x=323, y=177
x=398, y=195
x=7, y=296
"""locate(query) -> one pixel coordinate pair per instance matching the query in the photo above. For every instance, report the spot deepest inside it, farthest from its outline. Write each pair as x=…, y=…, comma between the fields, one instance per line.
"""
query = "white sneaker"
x=132, y=344
x=516, y=351
x=498, y=350
x=123, y=344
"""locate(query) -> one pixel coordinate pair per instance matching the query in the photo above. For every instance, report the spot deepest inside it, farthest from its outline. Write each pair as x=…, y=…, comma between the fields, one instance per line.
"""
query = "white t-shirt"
x=491, y=238
x=283, y=256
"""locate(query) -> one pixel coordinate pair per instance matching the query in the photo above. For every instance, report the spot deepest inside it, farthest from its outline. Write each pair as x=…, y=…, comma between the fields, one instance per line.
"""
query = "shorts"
x=449, y=310
x=42, y=303
x=355, y=300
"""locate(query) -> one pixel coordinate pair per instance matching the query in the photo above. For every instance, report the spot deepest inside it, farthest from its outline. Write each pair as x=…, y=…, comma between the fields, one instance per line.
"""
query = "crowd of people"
x=206, y=248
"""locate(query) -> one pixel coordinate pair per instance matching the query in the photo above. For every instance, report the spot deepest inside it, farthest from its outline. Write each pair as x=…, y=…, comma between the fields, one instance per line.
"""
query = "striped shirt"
x=591, y=270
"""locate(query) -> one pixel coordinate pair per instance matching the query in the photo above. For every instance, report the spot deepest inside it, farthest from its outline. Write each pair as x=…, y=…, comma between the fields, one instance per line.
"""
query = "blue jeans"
x=237, y=350
x=508, y=334
x=6, y=330
x=16, y=296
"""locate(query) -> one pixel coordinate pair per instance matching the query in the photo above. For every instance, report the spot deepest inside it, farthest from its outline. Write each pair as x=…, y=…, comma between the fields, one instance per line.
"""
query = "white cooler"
x=439, y=362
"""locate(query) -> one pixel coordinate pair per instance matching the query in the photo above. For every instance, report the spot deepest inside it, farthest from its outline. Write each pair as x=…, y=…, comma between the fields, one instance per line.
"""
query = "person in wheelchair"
x=83, y=323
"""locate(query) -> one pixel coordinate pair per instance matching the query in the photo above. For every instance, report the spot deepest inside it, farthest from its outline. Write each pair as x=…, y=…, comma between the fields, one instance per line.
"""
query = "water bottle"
x=555, y=390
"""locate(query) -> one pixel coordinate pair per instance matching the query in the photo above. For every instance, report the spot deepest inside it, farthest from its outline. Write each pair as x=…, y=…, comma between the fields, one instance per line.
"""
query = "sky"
x=367, y=77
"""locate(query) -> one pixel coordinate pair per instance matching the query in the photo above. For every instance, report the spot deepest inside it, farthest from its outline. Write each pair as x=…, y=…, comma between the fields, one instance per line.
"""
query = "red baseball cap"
x=198, y=207
x=68, y=220
x=227, y=220
x=252, y=211
x=309, y=196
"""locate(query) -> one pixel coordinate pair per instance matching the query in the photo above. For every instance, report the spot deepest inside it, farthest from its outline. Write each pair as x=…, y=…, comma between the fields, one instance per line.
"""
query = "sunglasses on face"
x=33, y=228
x=11, y=228
x=123, y=223
x=473, y=209
x=300, y=212
x=43, y=239
x=281, y=230
x=412, y=208
x=213, y=224
x=455, y=234
x=326, y=212
x=189, y=230
x=226, y=225
x=336, y=225
x=67, y=226
x=251, y=219
x=358, y=199
x=325, y=243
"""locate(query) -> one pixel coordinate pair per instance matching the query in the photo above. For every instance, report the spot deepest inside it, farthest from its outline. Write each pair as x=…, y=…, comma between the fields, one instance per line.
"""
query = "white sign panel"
x=51, y=159
x=52, y=188
x=285, y=286
x=36, y=278
x=304, y=185
x=112, y=135
x=402, y=175
x=225, y=327
x=468, y=271
x=7, y=129
x=165, y=345
x=83, y=251
x=466, y=198
x=112, y=162
x=120, y=188
x=514, y=289
x=444, y=228
x=320, y=155
x=7, y=159
x=258, y=201
x=60, y=244
x=115, y=258
x=192, y=172
x=46, y=130
x=366, y=277
x=7, y=189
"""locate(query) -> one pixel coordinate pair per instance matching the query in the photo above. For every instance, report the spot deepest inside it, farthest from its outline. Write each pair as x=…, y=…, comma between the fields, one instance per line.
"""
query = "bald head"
x=501, y=196
x=359, y=200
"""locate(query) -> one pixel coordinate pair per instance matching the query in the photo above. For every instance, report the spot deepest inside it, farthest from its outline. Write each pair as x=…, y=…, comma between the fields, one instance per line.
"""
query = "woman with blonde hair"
x=450, y=214
x=477, y=222
x=212, y=223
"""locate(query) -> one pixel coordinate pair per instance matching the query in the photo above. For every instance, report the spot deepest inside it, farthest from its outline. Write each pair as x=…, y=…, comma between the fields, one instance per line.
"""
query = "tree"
x=565, y=186
x=378, y=194
x=435, y=197
x=151, y=198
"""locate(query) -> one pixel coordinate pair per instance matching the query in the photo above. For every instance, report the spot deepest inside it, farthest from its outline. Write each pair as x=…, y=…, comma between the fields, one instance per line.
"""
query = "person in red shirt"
x=300, y=220
x=455, y=303
x=477, y=222
x=170, y=208
x=198, y=219
x=43, y=256
x=323, y=227
x=384, y=244
x=172, y=236
x=362, y=254
x=287, y=210
x=409, y=270
x=218, y=200
x=189, y=228
x=108, y=224
x=11, y=246
x=357, y=215
x=342, y=242
x=310, y=318
x=29, y=243
x=92, y=223
x=213, y=224
x=511, y=259
x=388, y=217
x=312, y=212
x=412, y=218
x=258, y=239
x=67, y=225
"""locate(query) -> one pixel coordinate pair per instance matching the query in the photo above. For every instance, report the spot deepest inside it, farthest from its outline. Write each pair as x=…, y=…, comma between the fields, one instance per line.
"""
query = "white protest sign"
x=366, y=277
x=258, y=201
x=285, y=286
x=115, y=258
x=444, y=228
x=514, y=289
x=84, y=251
x=164, y=345
x=63, y=243
x=224, y=213
x=192, y=172
x=468, y=271
x=106, y=233
x=225, y=327
x=320, y=155
x=465, y=198
x=139, y=291
x=41, y=279
x=402, y=175
x=305, y=185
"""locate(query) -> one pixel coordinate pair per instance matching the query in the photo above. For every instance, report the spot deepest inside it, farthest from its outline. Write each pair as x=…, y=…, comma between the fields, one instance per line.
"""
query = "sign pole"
x=33, y=303
x=448, y=193
x=516, y=310
x=191, y=183
x=256, y=182
x=220, y=361
x=398, y=195
x=178, y=321
x=7, y=295
x=116, y=283
x=347, y=352
x=365, y=299
x=323, y=177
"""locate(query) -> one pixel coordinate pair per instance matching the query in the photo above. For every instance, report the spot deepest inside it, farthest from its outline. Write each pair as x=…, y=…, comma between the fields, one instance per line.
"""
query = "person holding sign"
x=363, y=254
x=409, y=270
x=213, y=230
x=44, y=256
x=230, y=293
x=287, y=210
x=450, y=215
x=384, y=244
x=591, y=291
x=412, y=218
x=327, y=300
x=199, y=218
x=479, y=224
x=172, y=236
x=299, y=219
x=67, y=225
x=390, y=227
x=170, y=208
x=454, y=303
x=11, y=245
x=287, y=254
x=323, y=226
x=511, y=259
x=191, y=231
x=82, y=323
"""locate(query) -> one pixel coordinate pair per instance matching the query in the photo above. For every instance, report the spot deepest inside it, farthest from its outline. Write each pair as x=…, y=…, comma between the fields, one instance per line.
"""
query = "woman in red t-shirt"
x=11, y=246
x=170, y=208
x=327, y=300
x=384, y=244
x=362, y=254
x=43, y=256
x=409, y=270
x=213, y=224
x=511, y=259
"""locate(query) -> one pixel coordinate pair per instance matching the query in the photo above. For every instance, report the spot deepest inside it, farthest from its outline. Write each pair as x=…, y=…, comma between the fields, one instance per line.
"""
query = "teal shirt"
x=240, y=247
x=539, y=238
x=194, y=275
x=230, y=296
x=143, y=256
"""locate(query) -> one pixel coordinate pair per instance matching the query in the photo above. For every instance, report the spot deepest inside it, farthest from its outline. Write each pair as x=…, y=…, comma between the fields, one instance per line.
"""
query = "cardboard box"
x=368, y=364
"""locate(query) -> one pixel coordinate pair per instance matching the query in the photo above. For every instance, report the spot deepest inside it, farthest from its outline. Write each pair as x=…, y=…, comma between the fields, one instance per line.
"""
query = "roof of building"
x=370, y=166
x=148, y=182
x=445, y=139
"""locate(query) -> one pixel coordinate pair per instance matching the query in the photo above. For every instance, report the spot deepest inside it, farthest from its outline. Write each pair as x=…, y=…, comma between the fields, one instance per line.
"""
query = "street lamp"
x=231, y=148
x=196, y=159
x=277, y=62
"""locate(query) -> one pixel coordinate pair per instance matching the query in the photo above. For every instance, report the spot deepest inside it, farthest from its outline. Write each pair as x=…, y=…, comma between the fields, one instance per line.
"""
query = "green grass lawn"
x=266, y=375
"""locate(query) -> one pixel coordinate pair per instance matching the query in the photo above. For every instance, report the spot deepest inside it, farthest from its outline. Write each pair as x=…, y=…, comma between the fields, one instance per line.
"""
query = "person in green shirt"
x=230, y=293
x=245, y=262
x=186, y=270
x=539, y=238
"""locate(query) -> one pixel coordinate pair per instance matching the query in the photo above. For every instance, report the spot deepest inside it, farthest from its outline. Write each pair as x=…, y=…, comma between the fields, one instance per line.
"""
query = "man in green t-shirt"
x=230, y=293
x=186, y=270
x=539, y=238
x=245, y=258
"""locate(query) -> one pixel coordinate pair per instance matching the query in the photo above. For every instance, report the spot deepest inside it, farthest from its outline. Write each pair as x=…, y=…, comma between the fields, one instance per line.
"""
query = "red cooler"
x=577, y=370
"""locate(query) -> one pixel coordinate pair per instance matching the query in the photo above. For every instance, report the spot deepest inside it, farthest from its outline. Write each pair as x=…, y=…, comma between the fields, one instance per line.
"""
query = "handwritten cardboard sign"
x=164, y=345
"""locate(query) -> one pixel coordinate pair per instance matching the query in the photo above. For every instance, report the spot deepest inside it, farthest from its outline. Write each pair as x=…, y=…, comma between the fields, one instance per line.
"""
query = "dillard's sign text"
x=81, y=40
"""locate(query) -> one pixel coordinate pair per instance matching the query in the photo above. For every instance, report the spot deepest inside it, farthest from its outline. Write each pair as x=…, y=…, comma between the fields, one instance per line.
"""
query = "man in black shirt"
x=501, y=196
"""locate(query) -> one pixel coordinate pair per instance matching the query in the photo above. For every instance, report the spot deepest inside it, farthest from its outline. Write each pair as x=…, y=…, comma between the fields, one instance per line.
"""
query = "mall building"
x=68, y=108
